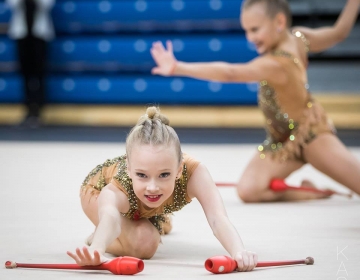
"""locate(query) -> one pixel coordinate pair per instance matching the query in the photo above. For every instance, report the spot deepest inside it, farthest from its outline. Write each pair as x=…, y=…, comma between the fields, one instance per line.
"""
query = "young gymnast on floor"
x=298, y=129
x=129, y=198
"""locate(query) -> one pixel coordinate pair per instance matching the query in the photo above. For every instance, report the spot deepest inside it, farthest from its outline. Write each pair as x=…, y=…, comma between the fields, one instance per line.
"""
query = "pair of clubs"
x=131, y=265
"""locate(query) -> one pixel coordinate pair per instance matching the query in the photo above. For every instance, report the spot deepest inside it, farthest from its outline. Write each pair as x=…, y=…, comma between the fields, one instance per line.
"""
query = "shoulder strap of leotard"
x=301, y=35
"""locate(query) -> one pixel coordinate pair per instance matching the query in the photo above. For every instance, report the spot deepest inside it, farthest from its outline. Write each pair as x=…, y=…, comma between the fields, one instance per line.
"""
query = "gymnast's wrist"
x=173, y=68
x=238, y=251
x=94, y=247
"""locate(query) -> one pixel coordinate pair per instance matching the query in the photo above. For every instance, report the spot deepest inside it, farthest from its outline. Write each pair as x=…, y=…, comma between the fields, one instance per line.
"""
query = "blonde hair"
x=153, y=129
x=273, y=7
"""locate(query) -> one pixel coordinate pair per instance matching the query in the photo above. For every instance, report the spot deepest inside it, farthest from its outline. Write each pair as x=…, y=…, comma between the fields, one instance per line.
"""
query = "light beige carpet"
x=41, y=218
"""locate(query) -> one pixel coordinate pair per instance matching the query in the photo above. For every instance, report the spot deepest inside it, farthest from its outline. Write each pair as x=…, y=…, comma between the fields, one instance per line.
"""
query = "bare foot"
x=316, y=195
x=307, y=191
x=307, y=183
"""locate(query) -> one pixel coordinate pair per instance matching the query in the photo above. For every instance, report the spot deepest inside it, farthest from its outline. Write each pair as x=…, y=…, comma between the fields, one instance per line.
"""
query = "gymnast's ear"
x=280, y=22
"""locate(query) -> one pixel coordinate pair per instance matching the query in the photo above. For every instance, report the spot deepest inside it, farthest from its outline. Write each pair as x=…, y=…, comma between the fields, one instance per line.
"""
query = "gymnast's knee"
x=248, y=193
x=147, y=240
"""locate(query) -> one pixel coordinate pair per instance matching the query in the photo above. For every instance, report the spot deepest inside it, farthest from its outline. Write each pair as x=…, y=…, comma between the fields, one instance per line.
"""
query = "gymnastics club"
x=278, y=185
x=225, y=264
x=118, y=266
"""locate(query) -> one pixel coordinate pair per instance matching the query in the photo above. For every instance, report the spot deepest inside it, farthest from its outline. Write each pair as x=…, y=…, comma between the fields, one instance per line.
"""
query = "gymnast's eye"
x=141, y=175
x=165, y=175
x=254, y=29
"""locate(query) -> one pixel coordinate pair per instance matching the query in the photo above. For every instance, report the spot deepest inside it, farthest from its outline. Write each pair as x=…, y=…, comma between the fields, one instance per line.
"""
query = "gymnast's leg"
x=330, y=156
x=254, y=183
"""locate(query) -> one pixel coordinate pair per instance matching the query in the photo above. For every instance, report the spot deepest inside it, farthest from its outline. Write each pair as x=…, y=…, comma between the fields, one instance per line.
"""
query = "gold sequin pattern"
x=279, y=127
x=286, y=54
x=157, y=220
x=300, y=35
x=101, y=181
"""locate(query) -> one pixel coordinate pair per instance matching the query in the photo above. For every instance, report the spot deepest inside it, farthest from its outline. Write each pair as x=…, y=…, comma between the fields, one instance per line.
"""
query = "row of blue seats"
x=141, y=15
x=132, y=90
x=132, y=53
x=79, y=16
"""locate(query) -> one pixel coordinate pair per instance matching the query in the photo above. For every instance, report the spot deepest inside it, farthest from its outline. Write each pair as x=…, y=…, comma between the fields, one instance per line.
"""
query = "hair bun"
x=154, y=113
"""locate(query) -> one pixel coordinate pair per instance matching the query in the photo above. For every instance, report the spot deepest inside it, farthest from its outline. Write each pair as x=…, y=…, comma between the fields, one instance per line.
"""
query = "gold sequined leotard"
x=114, y=171
x=293, y=119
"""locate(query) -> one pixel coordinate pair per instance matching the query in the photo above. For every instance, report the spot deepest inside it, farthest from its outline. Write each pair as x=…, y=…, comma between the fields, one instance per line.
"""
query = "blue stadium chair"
x=132, y=90
x=147, y=89
x=145, y=15
x=7, y=50
x=4, y=12
x=132, y=53
x=11, y=89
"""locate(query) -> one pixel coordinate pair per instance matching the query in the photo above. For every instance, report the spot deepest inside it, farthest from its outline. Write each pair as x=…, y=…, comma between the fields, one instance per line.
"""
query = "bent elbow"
x=342, y=37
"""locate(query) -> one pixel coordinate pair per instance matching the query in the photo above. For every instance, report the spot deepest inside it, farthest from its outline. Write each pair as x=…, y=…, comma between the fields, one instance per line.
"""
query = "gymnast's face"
x=153, y=170
x=260, y=29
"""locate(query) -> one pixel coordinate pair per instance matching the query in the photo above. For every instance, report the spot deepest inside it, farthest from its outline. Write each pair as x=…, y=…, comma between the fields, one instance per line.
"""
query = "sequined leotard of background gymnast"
x=293, y=117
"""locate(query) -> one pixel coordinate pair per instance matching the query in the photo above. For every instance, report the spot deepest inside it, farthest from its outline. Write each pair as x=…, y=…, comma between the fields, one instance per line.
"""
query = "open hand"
x=246, y=260
x=86, y=257
x=164, y=59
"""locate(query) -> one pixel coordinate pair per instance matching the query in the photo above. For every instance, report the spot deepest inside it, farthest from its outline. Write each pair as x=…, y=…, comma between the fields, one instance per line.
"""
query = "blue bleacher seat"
x=7, y=50
x=132, y=53
x=140, y=15
x=4, y=12
x=147, y=89
x=134, y=89
x=78, y=16
x=11, y=89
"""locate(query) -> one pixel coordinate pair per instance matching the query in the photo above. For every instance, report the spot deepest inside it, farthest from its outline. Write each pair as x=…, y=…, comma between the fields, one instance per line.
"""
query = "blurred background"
x=98, y=65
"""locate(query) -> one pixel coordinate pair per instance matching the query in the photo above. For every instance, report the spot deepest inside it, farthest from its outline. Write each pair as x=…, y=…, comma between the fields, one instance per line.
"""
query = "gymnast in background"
x=298, y=129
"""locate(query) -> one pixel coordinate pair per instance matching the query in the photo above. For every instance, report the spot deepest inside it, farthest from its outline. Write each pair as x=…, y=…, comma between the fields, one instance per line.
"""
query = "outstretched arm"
x=258, y=69
x=111, y=202
x=204, y=189
x=325, y=37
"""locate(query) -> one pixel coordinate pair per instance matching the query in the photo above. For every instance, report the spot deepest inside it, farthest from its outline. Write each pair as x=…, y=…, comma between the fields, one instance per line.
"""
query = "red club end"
x=278, y=185
x=10, y=264
x=220, y=264
x=125, y=266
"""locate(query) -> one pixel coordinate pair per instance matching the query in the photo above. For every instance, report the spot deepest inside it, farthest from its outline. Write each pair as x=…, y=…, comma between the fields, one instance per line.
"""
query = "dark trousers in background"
x=32, y=59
